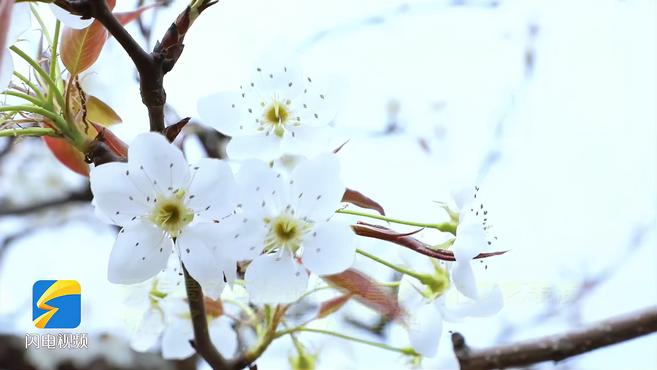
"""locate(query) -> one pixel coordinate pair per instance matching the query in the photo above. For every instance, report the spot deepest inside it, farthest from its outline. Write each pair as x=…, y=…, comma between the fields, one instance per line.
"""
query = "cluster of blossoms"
x=278, y=221
x=247, y=223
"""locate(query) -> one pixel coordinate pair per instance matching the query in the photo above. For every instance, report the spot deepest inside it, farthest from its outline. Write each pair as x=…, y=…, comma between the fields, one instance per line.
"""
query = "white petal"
x=409, y=294
x=283, y=78
x=259, y=146
x=149, y=330
x=175, y=341
x=154, y=161
x=115, y=195
x=261, y=189
x=464, y=279
x=21, y=21
x=308, y=141
x=424, y=329
x=470, y=241
x=329, y=248
x=69, y=20
x=212, y=193
x=275, y=278
x=139, y=253
x=489, y=304
x=223, y=336
x=315, y=106
x=317, y=188
x=6, y=69
x=228, y=112
x=241, y=236
x=196, y=252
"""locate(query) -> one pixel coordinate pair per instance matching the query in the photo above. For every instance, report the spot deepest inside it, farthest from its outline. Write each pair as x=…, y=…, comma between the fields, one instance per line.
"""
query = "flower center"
x=171, y=215
x=436, y=284
x=277, y=114
x=285, y=232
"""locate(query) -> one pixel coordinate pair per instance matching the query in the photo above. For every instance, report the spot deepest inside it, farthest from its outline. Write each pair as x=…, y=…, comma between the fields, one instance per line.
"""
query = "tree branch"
x=557, y=347
x=151, y=66
x=80, y=196
x=202, y=342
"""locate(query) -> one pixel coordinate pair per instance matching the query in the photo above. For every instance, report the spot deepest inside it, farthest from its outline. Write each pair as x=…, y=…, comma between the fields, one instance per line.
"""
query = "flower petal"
x=212, y=193
x=69, y=20
x=139, y=253
x=197, y=254
x=275, y=278
x=285, y=79
x=315, y=107
x=409, y=295
x=488, y=304
x=157, y=163
x=148, y=331
x=175, y=341
x=261, y=189
x=424, y=329
x=260, y=146
x=308, y=141
x=223, y=336
x=470, y=241
x=228, y=112
x=115, y=196
x=317, y=188
x=464, y=279
x=329, y=248
x=242, y=236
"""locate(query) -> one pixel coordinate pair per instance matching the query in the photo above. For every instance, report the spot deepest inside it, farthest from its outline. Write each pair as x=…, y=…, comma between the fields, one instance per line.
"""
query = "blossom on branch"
x=160, y=201
x=278, y=111
x=285, y=227
x=427, y=304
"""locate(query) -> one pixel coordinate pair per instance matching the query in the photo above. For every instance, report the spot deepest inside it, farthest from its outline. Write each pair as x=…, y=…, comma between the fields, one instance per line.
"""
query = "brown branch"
x=202, y=342
x=151, y=67
x=557, y=347
x=76, y=197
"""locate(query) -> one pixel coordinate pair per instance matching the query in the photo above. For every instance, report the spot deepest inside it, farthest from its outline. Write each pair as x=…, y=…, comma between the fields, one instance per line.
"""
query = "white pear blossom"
x=20, y=22
x=278, y=111
x=472, y=238
x=428, y=306
x=285, y=227
x=160, y=201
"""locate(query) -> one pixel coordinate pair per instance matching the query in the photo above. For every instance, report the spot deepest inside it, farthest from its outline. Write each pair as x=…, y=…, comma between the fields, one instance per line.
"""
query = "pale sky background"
x=565, y=153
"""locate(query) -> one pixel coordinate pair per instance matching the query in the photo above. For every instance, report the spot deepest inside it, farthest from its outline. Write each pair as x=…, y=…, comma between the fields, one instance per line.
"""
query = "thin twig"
x=557, y=347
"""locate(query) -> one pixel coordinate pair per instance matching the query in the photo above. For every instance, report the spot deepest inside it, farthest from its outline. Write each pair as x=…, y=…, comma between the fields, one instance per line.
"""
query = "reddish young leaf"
x=366, y=291
x=332, y=305
x=115, y=144
x=172, y=131
x=81, y=48
x=359, y=199
x=127, y=17
x=67, y=155
x=406, y=240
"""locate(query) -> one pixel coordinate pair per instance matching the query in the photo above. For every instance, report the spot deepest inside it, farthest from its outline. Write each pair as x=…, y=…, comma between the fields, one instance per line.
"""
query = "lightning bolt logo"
x=56, y=304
